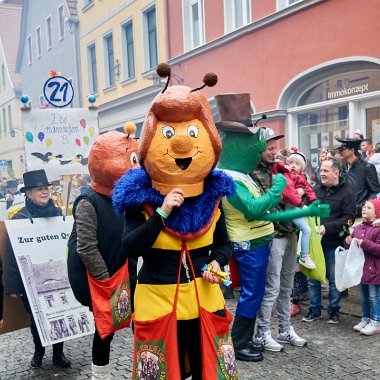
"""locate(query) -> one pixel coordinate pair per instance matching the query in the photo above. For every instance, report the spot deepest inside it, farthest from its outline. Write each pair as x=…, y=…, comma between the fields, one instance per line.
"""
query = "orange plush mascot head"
x=111, y=155
x=179, y=142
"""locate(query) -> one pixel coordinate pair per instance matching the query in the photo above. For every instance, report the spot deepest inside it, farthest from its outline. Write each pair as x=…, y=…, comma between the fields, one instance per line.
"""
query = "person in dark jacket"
x=1, y=294
x=335, y=192
x=368, y=238
x=37, y=205
x=99, y=229
x=12, y=190
x=361, y=176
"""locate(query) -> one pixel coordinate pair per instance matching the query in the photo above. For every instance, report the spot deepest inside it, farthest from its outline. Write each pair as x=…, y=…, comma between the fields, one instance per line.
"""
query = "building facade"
x=11, y=141
x=49, y=40
x=312, y=66
x=121, y=43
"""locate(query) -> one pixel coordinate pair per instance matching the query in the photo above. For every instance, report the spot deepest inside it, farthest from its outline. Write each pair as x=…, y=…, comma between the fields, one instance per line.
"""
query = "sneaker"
x=363, y=323
x=372, y=328
x=306, y=262
x=290, y=337
x=268, y=342
x=310, y=317
x=295, y=309
x=333, y=318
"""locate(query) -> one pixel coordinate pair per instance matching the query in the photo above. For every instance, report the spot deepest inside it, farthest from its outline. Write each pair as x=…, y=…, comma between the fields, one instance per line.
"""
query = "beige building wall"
x=97, y=20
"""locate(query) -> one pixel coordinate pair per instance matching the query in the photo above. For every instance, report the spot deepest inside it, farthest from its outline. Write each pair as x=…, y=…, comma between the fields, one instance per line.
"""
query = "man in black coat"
x=38, y=204
x=333, y=191
x=361, y=176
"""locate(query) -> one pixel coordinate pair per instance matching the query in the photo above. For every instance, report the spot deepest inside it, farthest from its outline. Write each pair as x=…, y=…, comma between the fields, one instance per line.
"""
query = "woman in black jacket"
x=38, y=204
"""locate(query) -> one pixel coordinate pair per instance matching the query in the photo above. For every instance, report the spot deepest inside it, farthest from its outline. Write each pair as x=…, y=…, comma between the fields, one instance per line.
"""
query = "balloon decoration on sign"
x=48, y=142
x=41, y=136
x=92, y=130
x=29, y=137
x=86, y=140
x=83, y=123
x=77, y=141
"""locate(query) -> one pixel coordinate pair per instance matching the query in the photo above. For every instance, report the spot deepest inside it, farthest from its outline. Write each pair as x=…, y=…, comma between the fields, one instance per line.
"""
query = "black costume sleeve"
x=139, y=234
x=222, y=247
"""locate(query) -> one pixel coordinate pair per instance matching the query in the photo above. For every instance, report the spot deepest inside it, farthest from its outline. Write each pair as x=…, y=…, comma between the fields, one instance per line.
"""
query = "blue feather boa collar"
x=134, y=190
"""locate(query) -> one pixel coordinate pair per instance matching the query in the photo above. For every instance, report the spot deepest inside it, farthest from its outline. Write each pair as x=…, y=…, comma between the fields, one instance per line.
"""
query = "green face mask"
x=241, y=152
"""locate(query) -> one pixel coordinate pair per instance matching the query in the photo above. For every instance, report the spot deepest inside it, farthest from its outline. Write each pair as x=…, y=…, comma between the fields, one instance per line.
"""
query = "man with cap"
x=361, y=175
x=281, y=265
x=38, y=204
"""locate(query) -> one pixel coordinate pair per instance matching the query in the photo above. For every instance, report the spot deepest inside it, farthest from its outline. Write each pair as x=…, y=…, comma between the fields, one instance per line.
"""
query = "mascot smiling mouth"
x=183, y=163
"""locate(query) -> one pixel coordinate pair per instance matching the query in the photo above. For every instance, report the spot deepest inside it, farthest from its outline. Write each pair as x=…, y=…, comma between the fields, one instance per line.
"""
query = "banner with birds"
x=59, y=140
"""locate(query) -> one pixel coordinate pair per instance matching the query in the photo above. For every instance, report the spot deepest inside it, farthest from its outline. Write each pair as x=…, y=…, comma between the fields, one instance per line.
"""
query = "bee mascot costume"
x=174, y=221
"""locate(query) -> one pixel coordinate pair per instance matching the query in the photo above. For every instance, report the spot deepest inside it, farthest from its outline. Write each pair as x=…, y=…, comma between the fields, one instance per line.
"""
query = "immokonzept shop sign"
x=341, y=86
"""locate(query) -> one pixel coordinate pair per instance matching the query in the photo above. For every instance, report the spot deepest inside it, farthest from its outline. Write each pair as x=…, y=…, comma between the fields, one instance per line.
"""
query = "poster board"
x=15, y=316
x=40, y=251
x=59, y=140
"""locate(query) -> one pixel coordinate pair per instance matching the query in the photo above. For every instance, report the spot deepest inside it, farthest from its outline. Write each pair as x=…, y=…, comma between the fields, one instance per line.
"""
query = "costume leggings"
x=101, y=349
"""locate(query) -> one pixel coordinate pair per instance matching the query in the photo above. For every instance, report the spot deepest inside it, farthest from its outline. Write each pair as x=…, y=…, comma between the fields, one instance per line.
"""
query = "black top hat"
x=348, y=143
x=34, y=178
x=234, y=111
x=12, y=183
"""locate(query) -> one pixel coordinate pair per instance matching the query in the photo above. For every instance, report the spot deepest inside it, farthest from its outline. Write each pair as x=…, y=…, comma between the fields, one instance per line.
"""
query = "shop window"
x=318, y=129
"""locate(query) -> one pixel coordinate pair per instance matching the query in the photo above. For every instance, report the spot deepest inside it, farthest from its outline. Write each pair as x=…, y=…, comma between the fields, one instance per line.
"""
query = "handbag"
x=349, y=265
x=218, y=354
x=316, y=253
x=111, y=301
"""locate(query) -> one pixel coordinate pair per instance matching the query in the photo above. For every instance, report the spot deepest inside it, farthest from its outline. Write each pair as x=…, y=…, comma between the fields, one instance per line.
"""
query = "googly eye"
x=168, y=131
x=192, y=131
x=133, y=158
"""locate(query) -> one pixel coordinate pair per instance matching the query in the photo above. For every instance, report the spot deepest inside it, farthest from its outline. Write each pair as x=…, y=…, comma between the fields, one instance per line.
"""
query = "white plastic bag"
x=348, y=266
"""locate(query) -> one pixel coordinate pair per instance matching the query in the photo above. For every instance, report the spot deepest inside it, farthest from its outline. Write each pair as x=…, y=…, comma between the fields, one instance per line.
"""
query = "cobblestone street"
x=333, y=352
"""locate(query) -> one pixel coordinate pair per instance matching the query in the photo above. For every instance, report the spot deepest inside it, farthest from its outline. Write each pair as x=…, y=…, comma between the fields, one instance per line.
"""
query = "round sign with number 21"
x=58, y=91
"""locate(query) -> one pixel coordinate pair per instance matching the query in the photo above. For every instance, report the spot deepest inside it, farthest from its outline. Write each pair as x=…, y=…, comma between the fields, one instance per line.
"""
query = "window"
x=10, y=126
x=63, y=298
x=3, y=75
x=49, y=301
x=109, y=61
x=237, y=13
x=92, y=72
x=150, y=38
x=61, y=22
x=30, y=57
x=38, y=40
x=49, y=35
x=87, y=3
x=4, y=121
x=193, y=12
x=281, y=4
x=128, y=51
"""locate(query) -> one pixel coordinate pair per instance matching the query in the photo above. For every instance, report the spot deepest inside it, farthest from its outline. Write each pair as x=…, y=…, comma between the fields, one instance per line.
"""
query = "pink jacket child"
x=368, y=238
x=293, y=182
x=292, y=197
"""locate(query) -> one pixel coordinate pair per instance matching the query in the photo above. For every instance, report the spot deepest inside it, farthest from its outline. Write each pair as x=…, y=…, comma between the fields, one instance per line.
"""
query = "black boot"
x=39, y=350
x=242, y=332
x=59, y=358
x=37, y=357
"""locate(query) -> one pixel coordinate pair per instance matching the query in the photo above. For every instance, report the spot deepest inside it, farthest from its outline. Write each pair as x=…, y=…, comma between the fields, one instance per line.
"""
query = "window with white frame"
x=108, y=60
x=237, y=13
x=92, y=70
x=3, y=74
x=38, y=42
x=5, y=121
x=49, y=35
x=30, y=56
x=61, y=22
x=10, y=125
x=281, y=4
x=128, y=50
x=193, y=25
x=150, y=38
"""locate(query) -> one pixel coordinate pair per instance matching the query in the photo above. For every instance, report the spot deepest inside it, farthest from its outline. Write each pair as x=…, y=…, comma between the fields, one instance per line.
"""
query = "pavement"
x=334, y=351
